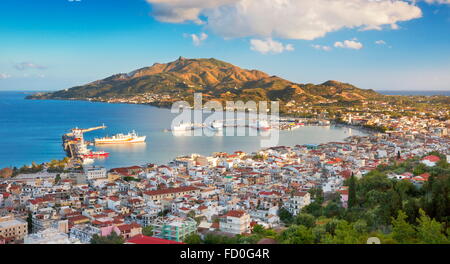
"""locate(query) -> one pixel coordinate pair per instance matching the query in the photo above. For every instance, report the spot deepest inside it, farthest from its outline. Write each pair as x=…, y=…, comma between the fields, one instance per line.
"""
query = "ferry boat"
x=262, y=125
x=121, y=138
x=182, y=127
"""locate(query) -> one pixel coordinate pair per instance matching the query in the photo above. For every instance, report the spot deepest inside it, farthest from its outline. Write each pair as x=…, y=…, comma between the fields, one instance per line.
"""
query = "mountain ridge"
x=216, y=79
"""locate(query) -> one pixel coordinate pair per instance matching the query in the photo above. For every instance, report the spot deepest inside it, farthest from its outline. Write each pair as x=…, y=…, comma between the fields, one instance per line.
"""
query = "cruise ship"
x=121, y=139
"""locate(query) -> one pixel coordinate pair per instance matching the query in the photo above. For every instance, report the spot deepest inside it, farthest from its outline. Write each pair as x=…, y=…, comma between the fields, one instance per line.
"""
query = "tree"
x=191, y=214
x=360, y=226
x=430, y=231
x=57, y=178
x=402, y=231
x=147, y=231
x=305, y=220
x=193, y=239
x=420, y=169
x=113, y=238
x=333, y=209
x=296, y=234
x=345, y=234
x=30, y=222
x=352, y=191
x=285, y=215
x=219, y=239
x=316, y=195
x=258, y=229
x=313, y=208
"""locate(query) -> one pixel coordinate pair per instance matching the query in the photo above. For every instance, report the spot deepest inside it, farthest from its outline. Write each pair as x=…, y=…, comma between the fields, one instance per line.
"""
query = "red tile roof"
x=432, y=158
x=235, y=213
x=146, y=240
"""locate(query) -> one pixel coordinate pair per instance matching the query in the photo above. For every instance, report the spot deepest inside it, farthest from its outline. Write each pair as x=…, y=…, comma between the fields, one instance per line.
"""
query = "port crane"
x=74, y=141
x=77, y=133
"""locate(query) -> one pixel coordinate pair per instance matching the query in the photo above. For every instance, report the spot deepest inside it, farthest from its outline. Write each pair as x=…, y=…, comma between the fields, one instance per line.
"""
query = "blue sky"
x=57, y=44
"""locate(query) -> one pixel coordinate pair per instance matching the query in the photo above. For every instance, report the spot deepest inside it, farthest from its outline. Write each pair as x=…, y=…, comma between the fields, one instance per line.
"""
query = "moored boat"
x=121, y=139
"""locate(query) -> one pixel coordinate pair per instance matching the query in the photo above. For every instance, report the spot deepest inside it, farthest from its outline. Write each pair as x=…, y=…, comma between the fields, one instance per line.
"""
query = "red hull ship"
x=95, y=154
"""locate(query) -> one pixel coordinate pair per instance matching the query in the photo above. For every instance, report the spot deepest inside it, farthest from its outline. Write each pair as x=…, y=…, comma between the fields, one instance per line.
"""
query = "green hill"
x=214, y=78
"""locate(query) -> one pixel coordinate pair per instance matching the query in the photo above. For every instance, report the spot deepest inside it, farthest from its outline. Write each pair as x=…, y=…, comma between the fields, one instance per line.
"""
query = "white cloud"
x=269, y=46
x=320, y=47
x=380, y=42
x=4, y=76
x=349, y=44
x=198, y=39
x=289, y=19
x=28, y=65
x=178, y=11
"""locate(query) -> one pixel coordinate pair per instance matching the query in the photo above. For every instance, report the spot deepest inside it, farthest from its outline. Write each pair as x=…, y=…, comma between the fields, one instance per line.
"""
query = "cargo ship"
x=121, y=139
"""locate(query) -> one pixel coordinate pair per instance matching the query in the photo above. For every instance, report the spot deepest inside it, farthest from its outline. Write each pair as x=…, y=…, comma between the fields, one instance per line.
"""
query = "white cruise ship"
x=121, y=139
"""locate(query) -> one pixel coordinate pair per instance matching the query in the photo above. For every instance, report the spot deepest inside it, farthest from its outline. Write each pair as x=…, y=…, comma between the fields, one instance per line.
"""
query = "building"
x=130, y=230
x=176, y=229
x=94, y=173
x=170, y=193
x=430, y=160
x=84, y=233
x=235, y=222
x=297, y=201
x=12, y=229
x=49, y=236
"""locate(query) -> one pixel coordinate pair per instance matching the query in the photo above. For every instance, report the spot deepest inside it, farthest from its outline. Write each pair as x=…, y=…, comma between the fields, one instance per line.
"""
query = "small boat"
x=215, y=126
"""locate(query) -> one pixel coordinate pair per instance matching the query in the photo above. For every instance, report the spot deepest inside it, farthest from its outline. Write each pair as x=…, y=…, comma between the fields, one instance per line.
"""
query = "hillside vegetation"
x=214, y=78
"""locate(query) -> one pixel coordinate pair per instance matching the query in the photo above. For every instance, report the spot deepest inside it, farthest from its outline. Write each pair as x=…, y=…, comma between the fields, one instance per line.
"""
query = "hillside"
x=214, y=78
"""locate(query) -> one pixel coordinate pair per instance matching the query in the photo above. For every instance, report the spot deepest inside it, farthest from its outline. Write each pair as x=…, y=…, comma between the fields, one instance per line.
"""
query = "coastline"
x=253, y=149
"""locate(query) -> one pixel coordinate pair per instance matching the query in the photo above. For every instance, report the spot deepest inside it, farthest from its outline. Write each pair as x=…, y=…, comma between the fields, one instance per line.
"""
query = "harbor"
x=76, y=147
x=258, y=124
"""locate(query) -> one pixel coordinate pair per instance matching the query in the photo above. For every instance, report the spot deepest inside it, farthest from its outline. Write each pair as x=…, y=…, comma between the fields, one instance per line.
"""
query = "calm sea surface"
x=31, y=130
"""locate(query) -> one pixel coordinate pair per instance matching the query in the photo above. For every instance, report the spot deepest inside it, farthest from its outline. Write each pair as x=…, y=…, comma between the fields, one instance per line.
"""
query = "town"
x=222, y=194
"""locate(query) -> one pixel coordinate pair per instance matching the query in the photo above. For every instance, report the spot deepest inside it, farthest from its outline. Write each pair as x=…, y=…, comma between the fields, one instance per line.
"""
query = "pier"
x=74, y=144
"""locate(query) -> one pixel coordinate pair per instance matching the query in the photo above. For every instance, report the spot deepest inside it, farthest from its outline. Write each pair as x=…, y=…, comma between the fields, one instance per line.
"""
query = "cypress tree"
x=352, y=191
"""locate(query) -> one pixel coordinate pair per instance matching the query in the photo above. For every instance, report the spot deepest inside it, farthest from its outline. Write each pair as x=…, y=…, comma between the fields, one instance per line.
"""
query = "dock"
x=74, y=144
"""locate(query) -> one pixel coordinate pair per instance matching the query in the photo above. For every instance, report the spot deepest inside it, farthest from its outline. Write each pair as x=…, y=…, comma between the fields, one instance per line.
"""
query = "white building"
x=94, y=173
x=84, y=233
x=50, y=236
x=297, y=202
x=235, y=222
